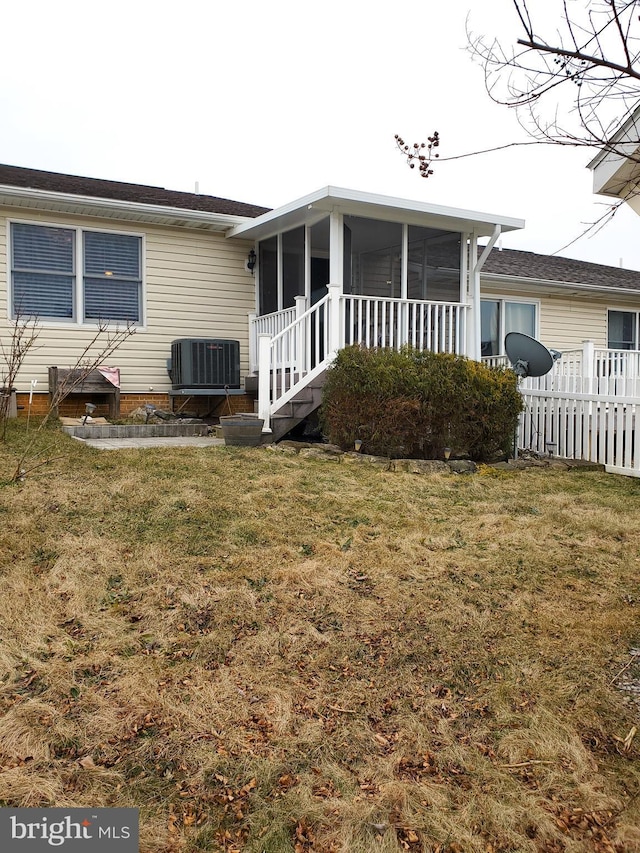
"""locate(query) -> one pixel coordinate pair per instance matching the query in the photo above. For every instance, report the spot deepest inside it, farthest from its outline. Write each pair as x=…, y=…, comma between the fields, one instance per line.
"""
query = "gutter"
x=221, y=220
x=568, y=285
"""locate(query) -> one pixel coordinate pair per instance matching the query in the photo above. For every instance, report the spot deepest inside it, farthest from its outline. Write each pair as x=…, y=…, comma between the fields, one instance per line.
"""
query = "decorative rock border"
x=332, y=453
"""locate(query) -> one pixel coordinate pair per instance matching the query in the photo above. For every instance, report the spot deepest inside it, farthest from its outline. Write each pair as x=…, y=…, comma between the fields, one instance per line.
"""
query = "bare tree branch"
x=572, y=80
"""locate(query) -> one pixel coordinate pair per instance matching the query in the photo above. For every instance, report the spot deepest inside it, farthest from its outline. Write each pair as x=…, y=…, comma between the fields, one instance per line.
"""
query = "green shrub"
x=414, y=404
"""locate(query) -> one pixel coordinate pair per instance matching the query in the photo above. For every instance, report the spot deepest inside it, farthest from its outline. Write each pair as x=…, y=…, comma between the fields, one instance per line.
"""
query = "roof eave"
x=354, y=202
x=560, y=285
x=126, y=209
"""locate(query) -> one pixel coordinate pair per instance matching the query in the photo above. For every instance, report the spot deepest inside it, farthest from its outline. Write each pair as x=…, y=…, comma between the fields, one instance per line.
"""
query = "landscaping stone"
x=462, y=466
x=295, y=446
x=325, y=453
x=332, y=453
x=353, y=458
x=419, y=466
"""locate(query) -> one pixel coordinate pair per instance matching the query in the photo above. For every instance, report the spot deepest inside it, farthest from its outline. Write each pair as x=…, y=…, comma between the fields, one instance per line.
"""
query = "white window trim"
x=501, y=298
x=620, y=310
x=78, y=289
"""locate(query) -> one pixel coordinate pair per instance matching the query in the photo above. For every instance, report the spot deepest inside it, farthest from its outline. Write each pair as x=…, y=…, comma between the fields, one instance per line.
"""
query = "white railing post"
x=253, y=344
x=264, y=380
x=588, y=366
x=301, y=353
x=333, y=316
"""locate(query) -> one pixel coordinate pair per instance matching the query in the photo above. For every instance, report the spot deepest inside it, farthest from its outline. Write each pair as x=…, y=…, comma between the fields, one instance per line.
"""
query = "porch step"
x=297, y=409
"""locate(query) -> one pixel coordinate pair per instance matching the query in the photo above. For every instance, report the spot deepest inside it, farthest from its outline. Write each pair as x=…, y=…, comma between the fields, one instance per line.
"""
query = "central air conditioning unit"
x=205, y=363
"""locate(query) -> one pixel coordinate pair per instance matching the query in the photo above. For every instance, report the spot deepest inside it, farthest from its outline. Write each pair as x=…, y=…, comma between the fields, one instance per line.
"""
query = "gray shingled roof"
x=508, y=262
x=528, y=265
x=16, y=176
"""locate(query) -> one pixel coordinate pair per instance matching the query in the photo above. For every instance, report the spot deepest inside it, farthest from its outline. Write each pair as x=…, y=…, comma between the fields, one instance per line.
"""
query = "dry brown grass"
x=267, y=653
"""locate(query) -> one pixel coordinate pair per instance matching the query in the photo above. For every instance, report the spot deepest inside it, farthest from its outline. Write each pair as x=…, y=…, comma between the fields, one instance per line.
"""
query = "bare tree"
x=104, y=343
x=23, y=336
x=573, y=77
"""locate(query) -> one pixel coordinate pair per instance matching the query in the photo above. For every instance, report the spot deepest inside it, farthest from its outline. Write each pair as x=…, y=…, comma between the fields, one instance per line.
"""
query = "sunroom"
x=340, y=267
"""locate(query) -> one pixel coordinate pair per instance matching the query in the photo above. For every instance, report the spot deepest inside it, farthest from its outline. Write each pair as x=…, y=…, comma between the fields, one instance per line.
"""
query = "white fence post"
x=264, y=380
x=589, y=372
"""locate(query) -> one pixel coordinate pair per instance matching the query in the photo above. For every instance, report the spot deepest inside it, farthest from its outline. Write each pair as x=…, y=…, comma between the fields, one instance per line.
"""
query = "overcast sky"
x=265, y=102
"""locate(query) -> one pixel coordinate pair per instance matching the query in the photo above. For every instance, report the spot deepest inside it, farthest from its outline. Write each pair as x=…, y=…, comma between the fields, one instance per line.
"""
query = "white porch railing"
x=588, y=370
x=267, y=324
x=292, y=357
x=377, y=322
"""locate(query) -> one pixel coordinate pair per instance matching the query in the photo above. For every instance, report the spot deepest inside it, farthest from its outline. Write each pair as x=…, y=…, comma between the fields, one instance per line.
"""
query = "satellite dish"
x=528, y=356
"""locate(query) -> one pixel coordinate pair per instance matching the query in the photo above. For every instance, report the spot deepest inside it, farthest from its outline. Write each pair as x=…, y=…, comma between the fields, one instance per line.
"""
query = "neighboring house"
x=291, y=286
x=616, y=171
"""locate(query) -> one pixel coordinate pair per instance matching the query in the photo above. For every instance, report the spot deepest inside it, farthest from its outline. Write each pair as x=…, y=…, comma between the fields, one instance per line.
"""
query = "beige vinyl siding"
x=195, y=285
x=564, y=322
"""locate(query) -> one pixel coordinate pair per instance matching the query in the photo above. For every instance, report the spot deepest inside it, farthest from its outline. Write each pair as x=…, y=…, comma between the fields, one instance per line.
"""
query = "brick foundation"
x=242, y=403
x=74, y=405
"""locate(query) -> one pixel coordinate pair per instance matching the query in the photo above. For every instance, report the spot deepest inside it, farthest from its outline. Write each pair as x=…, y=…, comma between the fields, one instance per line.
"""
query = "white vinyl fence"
x=595, y=427
x=586, y=407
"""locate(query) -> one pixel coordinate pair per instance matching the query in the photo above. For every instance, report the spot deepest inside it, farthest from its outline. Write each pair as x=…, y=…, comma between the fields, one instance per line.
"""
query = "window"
x=499, y=317
x=43, y=271
x=622, y=330
x=71, y=274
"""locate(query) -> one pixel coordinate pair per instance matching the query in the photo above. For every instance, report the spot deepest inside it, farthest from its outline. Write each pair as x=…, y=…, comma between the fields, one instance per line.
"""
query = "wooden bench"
x=76, y=381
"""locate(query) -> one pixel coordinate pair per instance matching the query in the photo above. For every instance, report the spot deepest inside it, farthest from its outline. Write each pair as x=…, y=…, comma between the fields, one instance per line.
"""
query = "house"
x=288, y=287
x=75, y=251
x=616, y=168
x=560, y=301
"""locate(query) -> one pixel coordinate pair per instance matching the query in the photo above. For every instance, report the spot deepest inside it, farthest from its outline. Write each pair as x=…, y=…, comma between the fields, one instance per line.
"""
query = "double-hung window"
x=622, y=330
x=501, y=316
x=60, y=273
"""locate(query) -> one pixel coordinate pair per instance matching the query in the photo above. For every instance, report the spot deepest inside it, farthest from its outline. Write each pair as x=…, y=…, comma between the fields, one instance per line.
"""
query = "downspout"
x=475, y=283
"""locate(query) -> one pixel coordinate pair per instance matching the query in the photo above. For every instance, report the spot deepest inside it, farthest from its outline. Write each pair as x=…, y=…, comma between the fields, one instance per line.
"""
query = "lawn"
x=268, y=653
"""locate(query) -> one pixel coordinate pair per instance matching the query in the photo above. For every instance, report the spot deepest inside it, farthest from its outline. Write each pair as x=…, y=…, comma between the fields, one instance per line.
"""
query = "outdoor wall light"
x=358, y=445
x=447, y=452
x=251, y=261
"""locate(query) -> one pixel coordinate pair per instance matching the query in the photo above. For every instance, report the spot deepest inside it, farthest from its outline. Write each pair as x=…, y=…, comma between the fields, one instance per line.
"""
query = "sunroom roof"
x=313, y=207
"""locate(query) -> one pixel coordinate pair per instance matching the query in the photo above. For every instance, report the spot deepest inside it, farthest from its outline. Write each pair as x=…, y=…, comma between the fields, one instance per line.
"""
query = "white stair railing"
x=290, y=359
